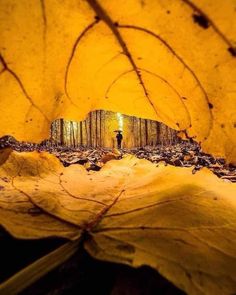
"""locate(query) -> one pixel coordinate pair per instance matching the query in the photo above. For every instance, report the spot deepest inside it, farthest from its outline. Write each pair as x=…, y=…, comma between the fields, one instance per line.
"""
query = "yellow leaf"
x=172, y=61
x=17, y=212
x=133, y=212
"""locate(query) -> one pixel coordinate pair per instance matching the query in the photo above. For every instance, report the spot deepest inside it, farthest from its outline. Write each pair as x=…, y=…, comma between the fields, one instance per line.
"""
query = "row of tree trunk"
x=79, y=133
x=96, y=131
x=148, y=132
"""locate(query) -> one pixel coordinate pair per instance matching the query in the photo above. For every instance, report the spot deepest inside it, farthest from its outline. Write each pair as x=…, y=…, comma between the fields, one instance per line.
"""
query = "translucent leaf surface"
x=169, y=60
x=133, y=212
x=17, y=212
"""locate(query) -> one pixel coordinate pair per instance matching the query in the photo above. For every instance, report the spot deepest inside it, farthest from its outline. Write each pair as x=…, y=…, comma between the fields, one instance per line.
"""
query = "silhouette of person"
x=119, y=138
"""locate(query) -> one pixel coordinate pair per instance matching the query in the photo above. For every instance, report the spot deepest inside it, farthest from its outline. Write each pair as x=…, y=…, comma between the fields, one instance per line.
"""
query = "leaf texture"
x=169, y=60
x=132, y=211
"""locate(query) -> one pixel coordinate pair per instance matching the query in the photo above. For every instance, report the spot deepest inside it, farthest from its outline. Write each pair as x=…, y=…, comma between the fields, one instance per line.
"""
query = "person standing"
x=119, y=138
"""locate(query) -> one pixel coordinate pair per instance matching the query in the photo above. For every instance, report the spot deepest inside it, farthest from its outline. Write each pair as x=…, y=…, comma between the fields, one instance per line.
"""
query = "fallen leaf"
x=108, y=157
x=133, y=212
x=17, y=212
x=174, y=63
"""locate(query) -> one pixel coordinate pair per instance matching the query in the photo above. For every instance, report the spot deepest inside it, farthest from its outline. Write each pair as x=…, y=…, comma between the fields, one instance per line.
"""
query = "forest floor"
x=183, y=154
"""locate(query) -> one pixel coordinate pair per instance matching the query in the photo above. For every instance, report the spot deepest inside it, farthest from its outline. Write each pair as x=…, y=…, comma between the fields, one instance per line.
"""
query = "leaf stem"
x=33, y=272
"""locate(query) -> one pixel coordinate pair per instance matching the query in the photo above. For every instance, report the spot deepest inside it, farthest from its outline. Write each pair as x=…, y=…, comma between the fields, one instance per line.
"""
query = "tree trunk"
x=146, y=131
x=86, y=130
x=90, y=129
x=100, y=128
x=96, y=128
x=72, y=131
x=77, y=134
x=62, y=140
x=140, y=132
x=81, y=133
x=158, y=133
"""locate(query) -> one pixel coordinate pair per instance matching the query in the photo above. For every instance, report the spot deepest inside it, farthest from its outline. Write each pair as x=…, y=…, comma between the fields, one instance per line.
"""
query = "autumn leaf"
x=132, y=211
x=17, y=212
x=172, y=61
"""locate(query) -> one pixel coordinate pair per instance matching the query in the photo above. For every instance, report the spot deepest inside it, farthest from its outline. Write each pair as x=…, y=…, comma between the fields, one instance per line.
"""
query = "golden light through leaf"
x=172, y=61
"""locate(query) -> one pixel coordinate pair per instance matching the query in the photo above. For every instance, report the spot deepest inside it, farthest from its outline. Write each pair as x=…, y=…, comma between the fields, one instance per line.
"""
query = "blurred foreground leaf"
x=132, y=212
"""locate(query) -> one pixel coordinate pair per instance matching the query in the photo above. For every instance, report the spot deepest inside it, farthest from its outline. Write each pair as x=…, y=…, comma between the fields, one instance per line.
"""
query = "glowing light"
x=120, y=121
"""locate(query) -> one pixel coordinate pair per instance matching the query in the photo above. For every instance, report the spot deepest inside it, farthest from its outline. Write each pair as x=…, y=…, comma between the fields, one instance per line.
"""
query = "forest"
x=98, y=130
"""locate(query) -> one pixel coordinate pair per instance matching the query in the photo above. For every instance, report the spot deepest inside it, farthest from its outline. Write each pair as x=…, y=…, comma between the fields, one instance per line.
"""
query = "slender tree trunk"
x=90, y=129
x=140, y=132
x=72, y=132
x=133, y=130
x=151, y=129
x=136, y=132
x=96, y=128
x=146, y=131
x=55, y=132
x=62, y=140
x=86, y=132
x=66, y=139
x=81, y=133
x=104, y=129
x=166, y=135
x=77, y=134
x=52, y=133
x=100, y=128
x=158, y=133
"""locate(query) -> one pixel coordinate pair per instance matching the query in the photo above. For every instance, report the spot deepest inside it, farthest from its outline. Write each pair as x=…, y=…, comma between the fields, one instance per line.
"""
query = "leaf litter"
x=183, y=154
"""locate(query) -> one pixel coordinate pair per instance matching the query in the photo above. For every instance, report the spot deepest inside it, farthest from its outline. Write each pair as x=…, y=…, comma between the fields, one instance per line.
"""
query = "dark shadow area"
x=16, y=254
x=81, y=274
